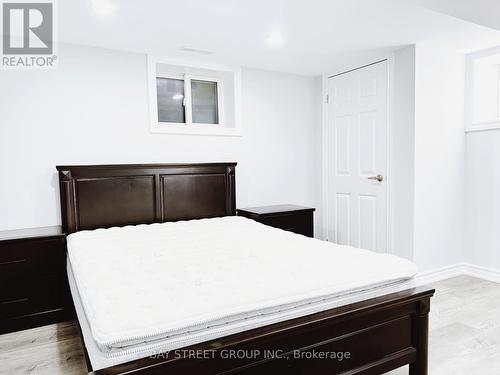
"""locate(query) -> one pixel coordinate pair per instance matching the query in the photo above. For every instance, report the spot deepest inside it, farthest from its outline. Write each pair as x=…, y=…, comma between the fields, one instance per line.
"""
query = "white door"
x=357, y=158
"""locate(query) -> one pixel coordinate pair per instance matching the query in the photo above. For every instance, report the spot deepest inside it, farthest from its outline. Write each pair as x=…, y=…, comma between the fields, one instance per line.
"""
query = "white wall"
x=281, y=157
x=403, y=152
x=482, y=216
x=93, y=109
x=439, y=157
x=455, y=179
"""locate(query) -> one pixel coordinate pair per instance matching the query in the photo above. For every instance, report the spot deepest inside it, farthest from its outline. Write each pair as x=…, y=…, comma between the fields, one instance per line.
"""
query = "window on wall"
x=184, y=100
x=193, y=100
x=171, y=100
x=483, y=91
x=204, y=101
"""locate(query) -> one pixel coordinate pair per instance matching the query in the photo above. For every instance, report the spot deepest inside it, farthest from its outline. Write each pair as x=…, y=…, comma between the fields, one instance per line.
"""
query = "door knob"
x=378, y=177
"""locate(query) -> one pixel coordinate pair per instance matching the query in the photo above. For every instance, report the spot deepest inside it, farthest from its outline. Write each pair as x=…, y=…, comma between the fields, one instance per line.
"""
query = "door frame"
x=325, y=132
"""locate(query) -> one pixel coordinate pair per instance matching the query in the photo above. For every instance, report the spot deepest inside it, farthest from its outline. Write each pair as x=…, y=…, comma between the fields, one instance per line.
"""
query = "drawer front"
x=33, y=282
x=37, y=257
x=301, y=223
x=26, y=296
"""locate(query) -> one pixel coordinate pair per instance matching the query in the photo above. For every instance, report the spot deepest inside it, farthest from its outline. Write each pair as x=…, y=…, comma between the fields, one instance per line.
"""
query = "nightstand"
x=33, y=283
x=289, y=217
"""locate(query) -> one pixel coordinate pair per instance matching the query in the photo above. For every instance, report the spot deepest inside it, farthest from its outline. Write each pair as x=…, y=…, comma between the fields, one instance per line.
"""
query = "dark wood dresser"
x=34, y=289
x=289, y=217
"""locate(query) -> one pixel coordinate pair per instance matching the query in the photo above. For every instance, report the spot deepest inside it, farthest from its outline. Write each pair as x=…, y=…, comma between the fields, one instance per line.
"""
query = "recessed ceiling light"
x=103, y=7
x=275, y=39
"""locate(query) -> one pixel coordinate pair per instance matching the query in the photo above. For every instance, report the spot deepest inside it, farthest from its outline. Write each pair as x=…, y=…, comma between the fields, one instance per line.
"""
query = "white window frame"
x=190, y=128
x=470, y=125
x=171, y=76
x=187, y=100
x=220, y=99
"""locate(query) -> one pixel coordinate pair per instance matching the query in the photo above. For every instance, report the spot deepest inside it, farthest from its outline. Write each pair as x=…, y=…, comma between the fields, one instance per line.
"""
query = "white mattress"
x=150, y=288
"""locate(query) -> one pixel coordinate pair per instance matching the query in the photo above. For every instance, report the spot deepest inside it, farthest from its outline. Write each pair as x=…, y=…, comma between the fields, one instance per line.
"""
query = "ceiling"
x=318, y=35
x=482, y=12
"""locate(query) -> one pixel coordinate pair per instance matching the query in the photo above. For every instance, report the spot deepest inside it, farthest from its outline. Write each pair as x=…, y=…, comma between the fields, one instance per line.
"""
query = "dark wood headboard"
x=102, y=196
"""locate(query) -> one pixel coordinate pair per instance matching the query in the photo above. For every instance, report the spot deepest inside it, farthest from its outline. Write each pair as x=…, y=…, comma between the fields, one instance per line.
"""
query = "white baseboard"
x=481, y=272
x=439, y=274
x=458, y=269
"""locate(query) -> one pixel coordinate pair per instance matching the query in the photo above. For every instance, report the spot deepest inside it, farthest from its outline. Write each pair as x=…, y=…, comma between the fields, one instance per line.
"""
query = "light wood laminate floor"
x=464, y=336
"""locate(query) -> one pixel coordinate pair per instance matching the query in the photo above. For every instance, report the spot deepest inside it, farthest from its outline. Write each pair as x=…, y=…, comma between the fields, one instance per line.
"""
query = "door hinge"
x=327, y=99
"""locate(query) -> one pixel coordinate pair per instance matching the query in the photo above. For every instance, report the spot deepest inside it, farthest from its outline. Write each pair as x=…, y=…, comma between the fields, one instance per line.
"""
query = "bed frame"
x=369, y=337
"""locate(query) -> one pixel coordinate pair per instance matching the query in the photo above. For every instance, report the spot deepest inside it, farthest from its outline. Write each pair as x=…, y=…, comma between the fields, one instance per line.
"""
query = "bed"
x=166, y=280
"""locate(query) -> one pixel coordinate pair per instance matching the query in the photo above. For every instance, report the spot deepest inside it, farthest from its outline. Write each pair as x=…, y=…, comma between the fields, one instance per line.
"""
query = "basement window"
x=193, y=100
x=482, y=91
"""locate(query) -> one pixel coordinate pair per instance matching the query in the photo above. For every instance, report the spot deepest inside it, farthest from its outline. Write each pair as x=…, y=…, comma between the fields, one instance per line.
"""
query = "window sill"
x=481, y=127
x=210, y=130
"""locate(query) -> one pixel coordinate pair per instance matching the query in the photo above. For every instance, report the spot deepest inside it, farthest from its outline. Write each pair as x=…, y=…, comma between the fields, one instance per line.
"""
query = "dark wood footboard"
x=369, y=337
